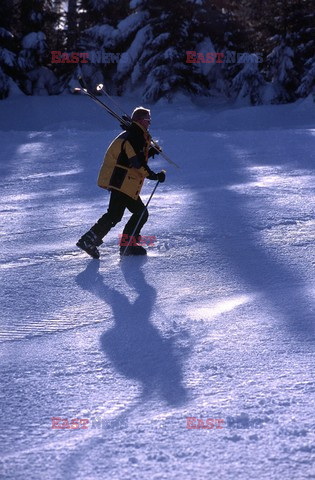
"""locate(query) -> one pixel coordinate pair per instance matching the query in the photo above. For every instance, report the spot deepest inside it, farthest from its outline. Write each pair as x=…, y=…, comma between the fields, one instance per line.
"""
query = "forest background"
x=141, y=46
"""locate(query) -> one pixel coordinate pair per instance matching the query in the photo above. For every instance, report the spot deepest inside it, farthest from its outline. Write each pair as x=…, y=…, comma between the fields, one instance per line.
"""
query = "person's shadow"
x=134, y=345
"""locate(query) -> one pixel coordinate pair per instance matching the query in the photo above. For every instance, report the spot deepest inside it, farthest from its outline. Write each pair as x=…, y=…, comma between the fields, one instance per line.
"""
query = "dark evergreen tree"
x=34, y=55
x=281, y=67
x=231, y=40
x=307, y=84
x=284, y=32
x=143, y=44
x=8, y=47
x=301, y=22
x=72, y=24
x=101, y=35
x=156, y=58
x=249, y=82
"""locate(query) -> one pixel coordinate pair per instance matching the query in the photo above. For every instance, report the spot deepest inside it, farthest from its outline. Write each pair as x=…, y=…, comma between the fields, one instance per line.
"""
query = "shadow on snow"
x=134, y=345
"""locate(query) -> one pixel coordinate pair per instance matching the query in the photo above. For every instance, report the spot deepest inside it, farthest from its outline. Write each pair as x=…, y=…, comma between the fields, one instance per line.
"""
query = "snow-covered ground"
x=216, y=323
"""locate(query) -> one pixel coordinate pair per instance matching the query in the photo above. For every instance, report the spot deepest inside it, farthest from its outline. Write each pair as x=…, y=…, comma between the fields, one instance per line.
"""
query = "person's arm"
x=157, y=176
x=137, y=160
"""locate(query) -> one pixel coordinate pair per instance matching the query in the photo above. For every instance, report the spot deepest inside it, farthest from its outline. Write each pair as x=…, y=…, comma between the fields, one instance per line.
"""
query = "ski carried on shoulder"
x=124, y=120
x=84, y=89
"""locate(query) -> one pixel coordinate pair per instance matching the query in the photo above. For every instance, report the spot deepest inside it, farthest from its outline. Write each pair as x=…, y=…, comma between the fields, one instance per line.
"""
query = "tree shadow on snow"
x=134, y=345
x=238, y=237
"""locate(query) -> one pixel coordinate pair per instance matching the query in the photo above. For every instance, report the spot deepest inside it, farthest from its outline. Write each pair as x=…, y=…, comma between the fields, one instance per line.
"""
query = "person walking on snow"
x=123, y=172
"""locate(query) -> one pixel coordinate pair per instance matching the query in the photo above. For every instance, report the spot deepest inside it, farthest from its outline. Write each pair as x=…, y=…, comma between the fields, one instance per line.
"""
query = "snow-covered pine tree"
x=102, y=38
x=283, y=74
x=249, y=82
x=265, y=24
x=156, y=59
x=135, y=32
x=302, y=27
x=251, y=23
x=7, y=48
x=210, y=33
x=307, y=85
x=290, y=28
x=229, y=38
x=6, y=60
x=67, y=16
x=33, y=57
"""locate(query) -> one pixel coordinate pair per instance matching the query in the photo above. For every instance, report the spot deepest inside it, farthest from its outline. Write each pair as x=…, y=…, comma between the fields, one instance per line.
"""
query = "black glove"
x=156, y=176
x=161, y=176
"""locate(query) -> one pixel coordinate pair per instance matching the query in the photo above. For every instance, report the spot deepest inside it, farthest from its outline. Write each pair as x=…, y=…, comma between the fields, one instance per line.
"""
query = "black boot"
x=133, y=250
x=89, y=243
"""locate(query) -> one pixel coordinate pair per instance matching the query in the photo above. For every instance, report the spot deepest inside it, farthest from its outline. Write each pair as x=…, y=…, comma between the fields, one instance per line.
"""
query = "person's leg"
x=93, y=238
x=138, y=210
x=114, y=214
x=136, y=207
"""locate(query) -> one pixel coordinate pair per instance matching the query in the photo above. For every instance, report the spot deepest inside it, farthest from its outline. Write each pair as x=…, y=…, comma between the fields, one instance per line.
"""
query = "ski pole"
x=145, y=208
x=100, y=87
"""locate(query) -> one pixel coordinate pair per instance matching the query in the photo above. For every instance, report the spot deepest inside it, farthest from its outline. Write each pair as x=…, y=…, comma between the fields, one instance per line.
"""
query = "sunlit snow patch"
x=271, y=177
x=213, y=309
x=33, y=148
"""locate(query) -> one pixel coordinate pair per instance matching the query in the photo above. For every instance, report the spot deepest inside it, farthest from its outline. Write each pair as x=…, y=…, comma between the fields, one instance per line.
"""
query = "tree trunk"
x=72, y=25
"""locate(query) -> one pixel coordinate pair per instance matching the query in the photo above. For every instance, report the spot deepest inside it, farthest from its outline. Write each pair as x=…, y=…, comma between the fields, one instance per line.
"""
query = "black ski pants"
x=117, y=205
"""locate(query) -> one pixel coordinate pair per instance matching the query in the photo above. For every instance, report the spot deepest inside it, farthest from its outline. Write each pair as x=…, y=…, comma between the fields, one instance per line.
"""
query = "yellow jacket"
x=124, y=166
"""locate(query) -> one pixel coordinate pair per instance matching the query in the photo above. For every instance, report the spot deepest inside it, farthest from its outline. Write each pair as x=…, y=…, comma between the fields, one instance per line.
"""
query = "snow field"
x=217, y=322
